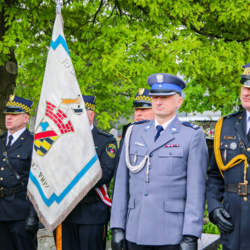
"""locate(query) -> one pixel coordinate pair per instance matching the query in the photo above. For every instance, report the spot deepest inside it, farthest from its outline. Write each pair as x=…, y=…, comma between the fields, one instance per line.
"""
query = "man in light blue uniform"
x=159, y=195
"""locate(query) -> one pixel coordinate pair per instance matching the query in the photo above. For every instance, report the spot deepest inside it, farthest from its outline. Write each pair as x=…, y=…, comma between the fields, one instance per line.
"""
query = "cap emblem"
x=159, y=78
x=12, y=97
x=141, y=91
x=246, y=72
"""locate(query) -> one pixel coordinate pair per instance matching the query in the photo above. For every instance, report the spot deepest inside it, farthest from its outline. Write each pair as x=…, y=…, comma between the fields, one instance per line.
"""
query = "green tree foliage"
x=116, y=44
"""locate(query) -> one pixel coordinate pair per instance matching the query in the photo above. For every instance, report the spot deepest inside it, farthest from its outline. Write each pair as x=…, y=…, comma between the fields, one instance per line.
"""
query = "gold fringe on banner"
x=51, y=227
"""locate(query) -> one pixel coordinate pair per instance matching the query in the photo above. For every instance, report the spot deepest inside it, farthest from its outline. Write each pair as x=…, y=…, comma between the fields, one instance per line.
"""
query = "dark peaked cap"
x=165, y=84
x=245, y=78
x=142, y=99
x=89, y=102
x=17, y=105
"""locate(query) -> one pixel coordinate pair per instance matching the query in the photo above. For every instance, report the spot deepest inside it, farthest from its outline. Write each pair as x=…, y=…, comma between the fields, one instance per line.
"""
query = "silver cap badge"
x=159, y=78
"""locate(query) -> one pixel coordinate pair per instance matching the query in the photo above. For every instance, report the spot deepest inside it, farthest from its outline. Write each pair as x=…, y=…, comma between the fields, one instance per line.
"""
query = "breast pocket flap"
x=138, y=150
x=171, y=152
x=174, y=206
x=22, y=156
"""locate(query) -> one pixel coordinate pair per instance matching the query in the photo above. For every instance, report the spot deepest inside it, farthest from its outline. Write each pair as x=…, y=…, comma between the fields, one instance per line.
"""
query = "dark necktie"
x=9, y=142
x=248, y=136
x=158, y=132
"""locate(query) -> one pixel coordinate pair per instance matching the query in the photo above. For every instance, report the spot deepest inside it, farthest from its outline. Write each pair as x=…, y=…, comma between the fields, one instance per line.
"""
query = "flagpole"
x=59, y=228
x=59, y=6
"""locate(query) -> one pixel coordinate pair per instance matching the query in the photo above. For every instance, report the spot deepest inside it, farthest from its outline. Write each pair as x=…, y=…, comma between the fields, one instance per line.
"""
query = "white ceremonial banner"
x=64, y=162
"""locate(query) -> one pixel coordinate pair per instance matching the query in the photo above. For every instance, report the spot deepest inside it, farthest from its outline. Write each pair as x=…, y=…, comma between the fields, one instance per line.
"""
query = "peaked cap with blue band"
x=17, y=105
x=89, y=102
x=142, y=99
x=165, y=84
x=245, y=78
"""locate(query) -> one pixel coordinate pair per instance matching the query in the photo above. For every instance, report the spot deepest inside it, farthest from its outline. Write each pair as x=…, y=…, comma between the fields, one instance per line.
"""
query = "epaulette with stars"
x=231, y=115
x=139, y=122
x=105, y=133
x=191, y=125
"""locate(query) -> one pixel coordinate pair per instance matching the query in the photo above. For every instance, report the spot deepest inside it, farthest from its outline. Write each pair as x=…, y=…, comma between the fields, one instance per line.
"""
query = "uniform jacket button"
x=245, y=198
x=146, y=194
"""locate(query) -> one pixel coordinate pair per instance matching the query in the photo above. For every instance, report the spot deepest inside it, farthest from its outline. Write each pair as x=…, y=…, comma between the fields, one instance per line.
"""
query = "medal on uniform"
x=225, y=155
x=135, y=159
x=233, y=145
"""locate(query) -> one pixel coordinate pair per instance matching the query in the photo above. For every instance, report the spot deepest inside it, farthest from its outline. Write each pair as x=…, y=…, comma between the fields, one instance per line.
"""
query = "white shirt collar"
x=165, y=124
x=15, y=135
x=247, y=121
x=91, y=127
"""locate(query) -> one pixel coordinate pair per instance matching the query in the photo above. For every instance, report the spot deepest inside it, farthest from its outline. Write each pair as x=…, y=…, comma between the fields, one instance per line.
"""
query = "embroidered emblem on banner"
x=55, y=124
x=111, y=150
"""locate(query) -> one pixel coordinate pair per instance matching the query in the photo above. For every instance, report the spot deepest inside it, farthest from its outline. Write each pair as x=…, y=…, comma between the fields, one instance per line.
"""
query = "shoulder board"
x=231, y=115
x=2, y=135
x=139, y=122
x=31, y=134
x=191, y=125
x=104, y=133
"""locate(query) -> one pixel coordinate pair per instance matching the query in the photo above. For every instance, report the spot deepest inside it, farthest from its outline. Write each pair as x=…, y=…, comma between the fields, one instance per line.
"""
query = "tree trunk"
x=8, y=73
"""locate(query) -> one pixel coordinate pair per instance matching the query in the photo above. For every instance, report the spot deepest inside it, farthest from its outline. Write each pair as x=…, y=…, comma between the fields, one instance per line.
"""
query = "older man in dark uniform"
x=142, y=106
x=85, y=228
x=227, y=188
x=18, y=220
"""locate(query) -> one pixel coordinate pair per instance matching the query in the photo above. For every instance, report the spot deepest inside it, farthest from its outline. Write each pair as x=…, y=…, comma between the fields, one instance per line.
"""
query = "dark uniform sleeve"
x=108, y=162
x=215, y=186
